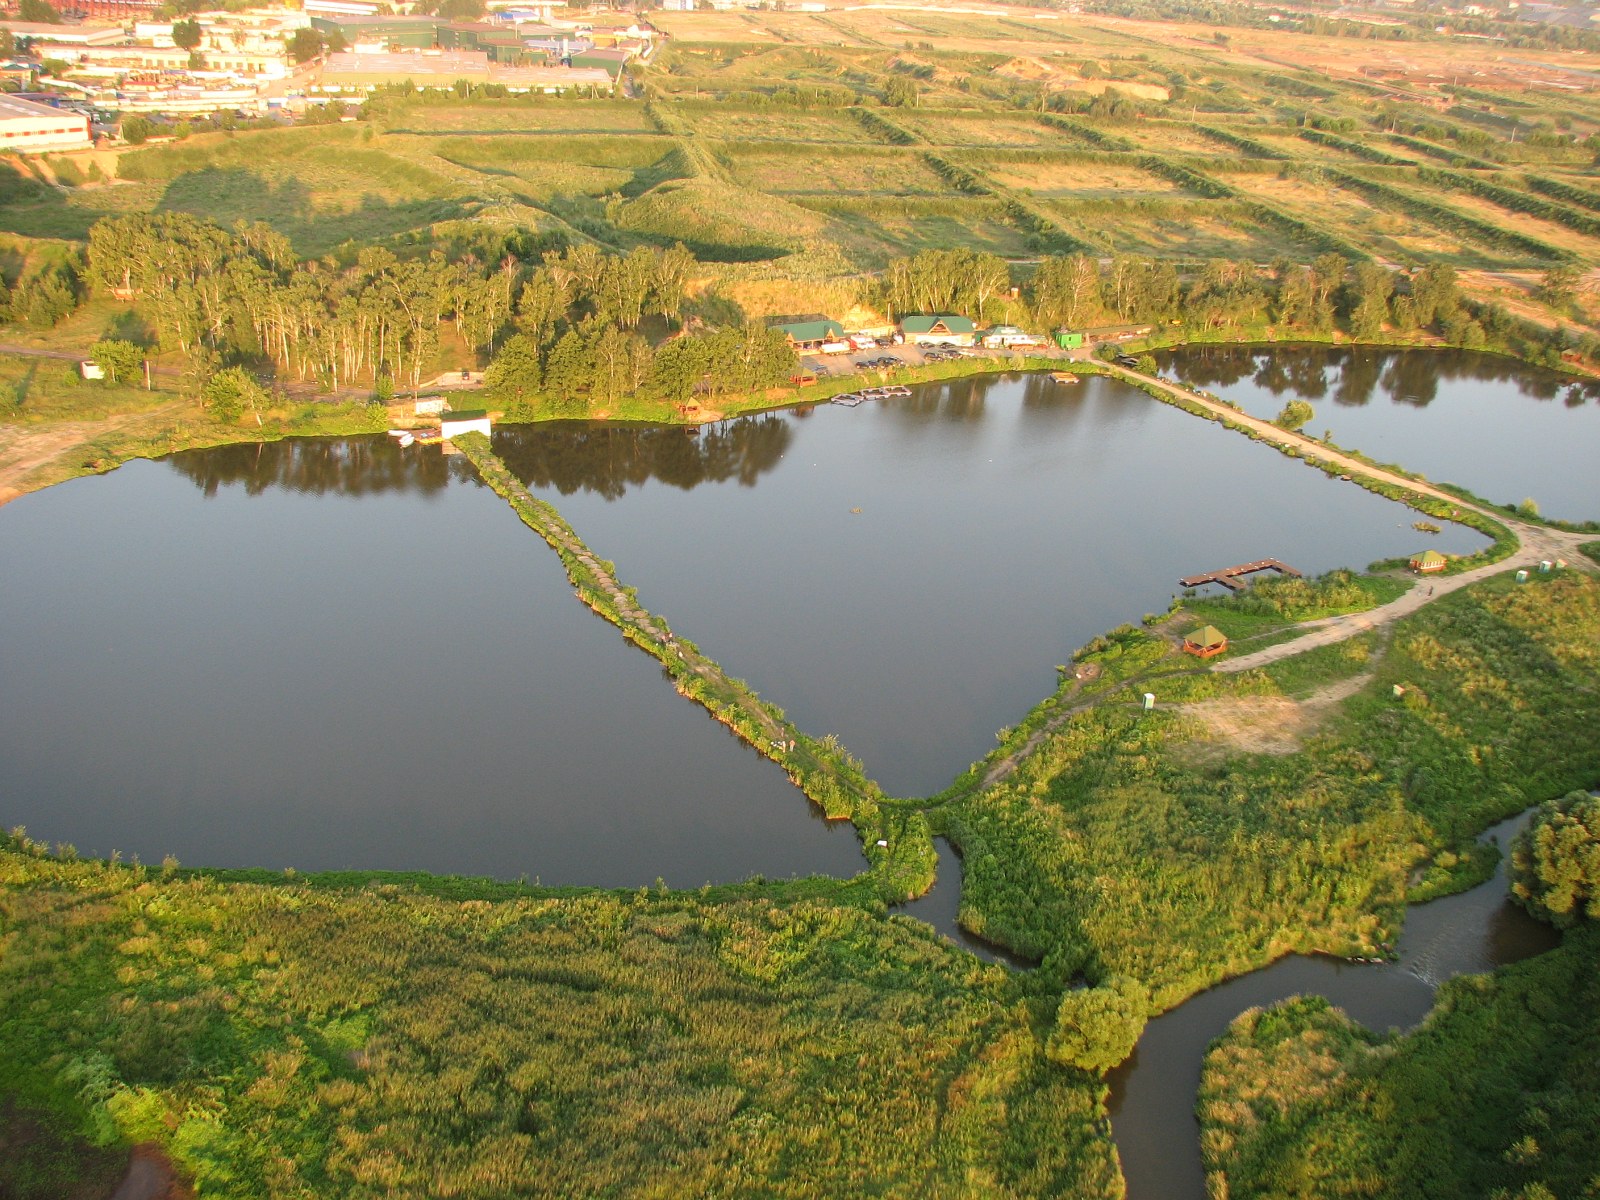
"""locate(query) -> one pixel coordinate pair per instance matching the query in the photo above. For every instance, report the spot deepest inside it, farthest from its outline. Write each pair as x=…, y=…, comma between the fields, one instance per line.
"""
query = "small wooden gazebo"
x=1427, y=562
x=1205, y=642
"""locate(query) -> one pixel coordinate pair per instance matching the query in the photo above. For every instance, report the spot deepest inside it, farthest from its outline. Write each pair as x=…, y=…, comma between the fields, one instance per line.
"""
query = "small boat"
x=405, y=439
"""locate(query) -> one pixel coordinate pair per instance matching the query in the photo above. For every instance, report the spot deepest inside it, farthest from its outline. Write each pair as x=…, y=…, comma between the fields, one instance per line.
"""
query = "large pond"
x=1504, y=429
x=328, y=654
x=908, y=574
x=337, y=653
x=1153, y=1093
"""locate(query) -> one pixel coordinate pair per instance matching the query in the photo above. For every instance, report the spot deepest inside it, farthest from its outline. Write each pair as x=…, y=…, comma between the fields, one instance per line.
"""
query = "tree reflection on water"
x=568, y=455
x=608, y=459
x=357, y=466
x=1356, y=373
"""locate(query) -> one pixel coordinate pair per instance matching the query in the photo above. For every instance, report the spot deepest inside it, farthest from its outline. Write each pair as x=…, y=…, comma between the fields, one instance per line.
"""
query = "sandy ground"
x=1271, y=724
x=24, y=449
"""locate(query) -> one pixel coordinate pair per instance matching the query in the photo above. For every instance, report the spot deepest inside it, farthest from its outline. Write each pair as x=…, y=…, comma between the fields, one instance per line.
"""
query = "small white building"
x=454, y=424
x=1005, y=336
x=25, y=125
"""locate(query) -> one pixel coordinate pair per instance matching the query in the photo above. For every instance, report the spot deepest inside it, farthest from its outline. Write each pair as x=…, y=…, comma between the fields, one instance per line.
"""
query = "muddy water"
x=1153, y=1094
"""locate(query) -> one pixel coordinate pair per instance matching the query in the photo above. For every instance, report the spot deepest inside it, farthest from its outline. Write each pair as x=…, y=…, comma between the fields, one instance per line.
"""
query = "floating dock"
x=1229, y=577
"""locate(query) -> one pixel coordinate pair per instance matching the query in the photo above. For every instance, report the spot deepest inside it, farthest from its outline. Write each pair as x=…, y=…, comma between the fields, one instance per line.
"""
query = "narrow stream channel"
x=941, y=903
x=1153, y=1094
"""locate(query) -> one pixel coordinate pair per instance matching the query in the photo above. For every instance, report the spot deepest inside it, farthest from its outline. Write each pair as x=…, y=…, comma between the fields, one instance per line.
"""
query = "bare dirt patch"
x=151, y=1176
x=1270, y=724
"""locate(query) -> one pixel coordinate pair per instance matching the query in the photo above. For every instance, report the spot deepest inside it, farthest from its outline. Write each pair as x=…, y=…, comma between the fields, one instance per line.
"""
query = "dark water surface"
x=1501, y=428
x=328, y=654
x=336, y=653
x=940, y=906
x=1153, y=1093
x=1003, y=522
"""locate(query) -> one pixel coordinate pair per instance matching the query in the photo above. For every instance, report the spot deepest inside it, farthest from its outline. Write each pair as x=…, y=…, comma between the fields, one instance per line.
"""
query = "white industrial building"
x=67, y=35
x=25, y=125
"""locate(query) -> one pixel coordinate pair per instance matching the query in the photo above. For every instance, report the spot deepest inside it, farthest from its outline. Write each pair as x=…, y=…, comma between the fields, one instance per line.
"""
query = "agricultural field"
x=864, y=171
x=1352, y=216
x=1070, y=178
x=773, y=125
x=1136, y=136
x=1189, y=230
x=544, y=116
x=871, y=232
x=979, y=129
x=557, y=165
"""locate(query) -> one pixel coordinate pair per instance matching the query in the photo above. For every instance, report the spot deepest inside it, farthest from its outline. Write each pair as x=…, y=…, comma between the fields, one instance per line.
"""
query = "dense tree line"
x=1494, y=1097
x=1555, y=861
x=1074, y=291
x=560, y=327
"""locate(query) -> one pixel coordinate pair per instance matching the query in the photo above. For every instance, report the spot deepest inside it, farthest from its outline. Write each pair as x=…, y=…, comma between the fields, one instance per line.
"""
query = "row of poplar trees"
x=572, y=317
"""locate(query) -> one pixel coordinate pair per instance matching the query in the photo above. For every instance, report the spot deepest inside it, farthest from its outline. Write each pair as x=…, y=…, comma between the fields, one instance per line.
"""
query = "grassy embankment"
x=1496, y=1094
x=286, y=1041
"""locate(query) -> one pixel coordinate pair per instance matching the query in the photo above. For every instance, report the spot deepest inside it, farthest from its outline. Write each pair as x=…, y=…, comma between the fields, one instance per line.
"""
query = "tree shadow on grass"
x=130, y=326
x=231, y=194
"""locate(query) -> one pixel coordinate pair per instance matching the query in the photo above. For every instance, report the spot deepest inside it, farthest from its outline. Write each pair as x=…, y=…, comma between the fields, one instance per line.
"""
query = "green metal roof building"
x=610, y=61
x=806, y=332
x=941, y=323
x=938, y=329
x=414, y=33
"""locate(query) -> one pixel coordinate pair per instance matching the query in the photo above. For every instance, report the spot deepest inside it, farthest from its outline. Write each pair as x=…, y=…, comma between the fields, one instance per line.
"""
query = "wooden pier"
x=1229, y=577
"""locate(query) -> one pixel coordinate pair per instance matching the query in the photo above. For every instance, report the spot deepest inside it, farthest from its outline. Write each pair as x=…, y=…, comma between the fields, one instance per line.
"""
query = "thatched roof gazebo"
x=1205, y=642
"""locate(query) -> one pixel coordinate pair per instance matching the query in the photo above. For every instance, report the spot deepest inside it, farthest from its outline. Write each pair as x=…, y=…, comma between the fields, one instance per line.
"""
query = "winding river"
x=1153, y=1093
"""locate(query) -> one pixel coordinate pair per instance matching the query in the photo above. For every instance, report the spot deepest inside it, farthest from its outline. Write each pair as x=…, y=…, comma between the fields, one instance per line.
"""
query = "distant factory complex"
x=79, y=79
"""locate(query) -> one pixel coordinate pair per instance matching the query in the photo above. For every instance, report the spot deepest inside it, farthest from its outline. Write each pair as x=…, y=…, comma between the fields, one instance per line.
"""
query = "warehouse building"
x=25, y=126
